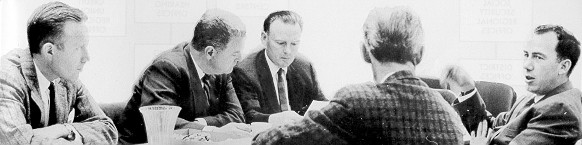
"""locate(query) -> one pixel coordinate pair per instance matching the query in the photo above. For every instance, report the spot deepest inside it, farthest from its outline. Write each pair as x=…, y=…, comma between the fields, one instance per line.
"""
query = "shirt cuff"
x=467, y=96
x=209, y=128
x=202, y=121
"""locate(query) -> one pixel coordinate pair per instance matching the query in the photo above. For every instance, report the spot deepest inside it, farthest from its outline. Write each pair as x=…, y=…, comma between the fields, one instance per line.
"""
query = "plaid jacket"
x=401, y=110
x=21, y=105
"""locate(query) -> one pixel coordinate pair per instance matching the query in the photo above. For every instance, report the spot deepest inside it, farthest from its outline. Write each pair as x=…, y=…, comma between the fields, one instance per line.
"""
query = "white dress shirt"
x=274, y=69
x=43, y=84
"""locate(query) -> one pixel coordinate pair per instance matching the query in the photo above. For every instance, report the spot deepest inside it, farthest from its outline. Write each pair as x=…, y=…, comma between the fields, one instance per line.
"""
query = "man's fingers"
x=473, y=134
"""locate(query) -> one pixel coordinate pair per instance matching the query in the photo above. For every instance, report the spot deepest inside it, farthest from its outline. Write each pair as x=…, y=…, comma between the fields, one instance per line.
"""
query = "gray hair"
x=395, y=34
x=216, y=28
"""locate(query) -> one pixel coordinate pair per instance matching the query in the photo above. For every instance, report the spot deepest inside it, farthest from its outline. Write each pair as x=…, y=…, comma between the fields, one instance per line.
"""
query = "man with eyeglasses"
x=551, y=115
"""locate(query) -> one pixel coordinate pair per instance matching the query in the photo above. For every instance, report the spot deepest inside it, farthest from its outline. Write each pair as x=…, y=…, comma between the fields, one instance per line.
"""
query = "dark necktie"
x=206, y=80
x=281, y=88
x=53, y=105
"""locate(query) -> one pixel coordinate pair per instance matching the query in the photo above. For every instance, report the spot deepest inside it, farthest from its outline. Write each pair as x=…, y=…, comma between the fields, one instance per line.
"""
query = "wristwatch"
x=71, y=129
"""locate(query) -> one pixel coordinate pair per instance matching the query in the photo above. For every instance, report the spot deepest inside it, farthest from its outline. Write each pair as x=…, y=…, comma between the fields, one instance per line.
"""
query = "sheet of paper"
x=317, y=105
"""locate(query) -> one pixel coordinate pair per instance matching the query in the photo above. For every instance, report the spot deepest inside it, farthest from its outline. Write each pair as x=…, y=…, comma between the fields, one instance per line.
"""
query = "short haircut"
x=216, y=28
x=568, y=46
x=46, y=24
x=395, y=34
x=288, y=17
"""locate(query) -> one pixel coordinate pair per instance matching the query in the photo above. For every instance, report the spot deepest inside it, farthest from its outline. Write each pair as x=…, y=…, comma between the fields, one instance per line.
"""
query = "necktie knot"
x=280, y=72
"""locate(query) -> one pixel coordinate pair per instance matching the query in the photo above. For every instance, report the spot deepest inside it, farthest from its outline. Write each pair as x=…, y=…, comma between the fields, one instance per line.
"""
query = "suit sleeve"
x=472, y=111
x=231, y=110
x=160, y=85
x=552, y=123
x=317, y=93
x=90, y=121
x=13, y=126
x=248, y=94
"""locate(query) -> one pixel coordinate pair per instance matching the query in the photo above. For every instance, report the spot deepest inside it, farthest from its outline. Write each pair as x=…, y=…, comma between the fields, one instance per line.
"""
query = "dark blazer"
x=21, y=105
x=172, y=79
x=254, y=86
x=554, y=119
x=401, y=110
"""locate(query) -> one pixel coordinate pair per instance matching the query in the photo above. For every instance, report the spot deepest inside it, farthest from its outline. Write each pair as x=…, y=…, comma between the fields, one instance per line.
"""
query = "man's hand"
x=284, y=117
x=458, y=79
x=49, y=133
x=481, y=137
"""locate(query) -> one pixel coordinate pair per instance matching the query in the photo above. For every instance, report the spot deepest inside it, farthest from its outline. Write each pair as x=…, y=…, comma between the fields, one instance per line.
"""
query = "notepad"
x=317, y=105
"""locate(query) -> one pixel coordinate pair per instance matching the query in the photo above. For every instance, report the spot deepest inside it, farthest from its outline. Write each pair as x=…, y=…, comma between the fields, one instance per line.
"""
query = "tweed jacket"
x=401, y=110
x=21, y=105
x=554, y=119
x=172, y=79
x=254, y=86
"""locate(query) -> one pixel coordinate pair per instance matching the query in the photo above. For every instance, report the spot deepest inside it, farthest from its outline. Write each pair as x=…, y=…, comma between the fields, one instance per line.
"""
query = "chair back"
x=498, y=97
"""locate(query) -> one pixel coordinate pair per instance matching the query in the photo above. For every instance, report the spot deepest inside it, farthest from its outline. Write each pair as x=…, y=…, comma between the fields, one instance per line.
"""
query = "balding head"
x=216, y=28
x=394, y=34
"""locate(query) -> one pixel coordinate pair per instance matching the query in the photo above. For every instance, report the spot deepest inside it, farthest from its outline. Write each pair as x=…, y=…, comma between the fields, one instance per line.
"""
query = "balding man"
x=192, y=75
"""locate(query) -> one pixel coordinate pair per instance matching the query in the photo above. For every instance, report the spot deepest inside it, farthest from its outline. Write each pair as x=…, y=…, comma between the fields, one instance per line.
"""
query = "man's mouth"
x=529, y=79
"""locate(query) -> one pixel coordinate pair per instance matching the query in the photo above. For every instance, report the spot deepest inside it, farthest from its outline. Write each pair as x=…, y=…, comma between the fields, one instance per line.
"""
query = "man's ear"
x=48, y=50
x=209, y=52
x=264, y=40
x=565, y=65
x=418, y=56
x=365, y=54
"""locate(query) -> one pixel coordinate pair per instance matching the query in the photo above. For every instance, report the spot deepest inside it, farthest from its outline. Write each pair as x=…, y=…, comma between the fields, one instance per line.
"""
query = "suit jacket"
x=401, y=110
x=254, y=86
x=21, y=105
x=172, y=79
x=554, y=119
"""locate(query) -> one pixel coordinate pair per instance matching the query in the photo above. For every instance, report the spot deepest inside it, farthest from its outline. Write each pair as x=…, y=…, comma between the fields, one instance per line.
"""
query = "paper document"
x=317, y=105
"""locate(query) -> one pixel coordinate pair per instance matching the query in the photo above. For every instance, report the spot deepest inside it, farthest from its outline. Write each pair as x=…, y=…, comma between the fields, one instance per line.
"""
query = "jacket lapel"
x=200, y=100
x=266, y=80
x=292, y=89
x=63, y=96
x=29, y=73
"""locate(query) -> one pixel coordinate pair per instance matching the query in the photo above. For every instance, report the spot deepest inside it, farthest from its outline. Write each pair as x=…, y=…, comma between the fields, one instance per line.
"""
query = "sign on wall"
x=495, y=20
x=169, y=11
x=106, y=17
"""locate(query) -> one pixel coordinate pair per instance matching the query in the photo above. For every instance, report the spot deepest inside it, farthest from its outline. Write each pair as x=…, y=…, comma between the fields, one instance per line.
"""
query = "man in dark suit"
x=277, y=84
x=192, y=75
x=398, y=108
x=551, y=115
x=42, y=101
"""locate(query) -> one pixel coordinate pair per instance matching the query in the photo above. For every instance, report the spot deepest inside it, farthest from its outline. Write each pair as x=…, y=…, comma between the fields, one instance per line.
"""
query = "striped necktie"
x=281, y=88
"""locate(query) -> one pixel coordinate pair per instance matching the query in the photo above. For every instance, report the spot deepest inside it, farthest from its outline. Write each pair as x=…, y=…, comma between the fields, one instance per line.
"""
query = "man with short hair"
x=276, y=84
x=194, y=76
x=398, y=108
x=41, y=98
x=552, y=114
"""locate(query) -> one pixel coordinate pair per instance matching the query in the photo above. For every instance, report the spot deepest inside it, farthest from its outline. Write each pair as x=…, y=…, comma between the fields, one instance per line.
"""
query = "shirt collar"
x=198, y=70
x=274, y=68
x=537, y=98
x=386, y=77
x=43, y=82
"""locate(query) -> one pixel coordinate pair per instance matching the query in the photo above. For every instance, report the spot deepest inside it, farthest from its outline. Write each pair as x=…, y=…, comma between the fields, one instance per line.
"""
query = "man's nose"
x=85, y=56
x=527, y=64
